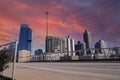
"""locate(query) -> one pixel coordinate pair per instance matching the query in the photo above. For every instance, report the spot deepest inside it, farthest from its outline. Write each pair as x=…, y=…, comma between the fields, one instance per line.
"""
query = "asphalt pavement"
x=67, y=71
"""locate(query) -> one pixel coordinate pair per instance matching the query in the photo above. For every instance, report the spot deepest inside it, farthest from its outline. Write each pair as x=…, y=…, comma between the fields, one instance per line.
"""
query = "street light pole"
x=14, y=61
x=47, y=13
x=46, y=23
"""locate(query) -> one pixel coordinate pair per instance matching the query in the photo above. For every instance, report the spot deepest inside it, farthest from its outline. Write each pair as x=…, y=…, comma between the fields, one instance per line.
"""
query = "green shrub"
x=5, y=56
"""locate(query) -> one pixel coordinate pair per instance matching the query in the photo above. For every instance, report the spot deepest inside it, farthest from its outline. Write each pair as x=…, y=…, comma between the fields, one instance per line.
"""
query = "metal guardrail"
x=6, y=44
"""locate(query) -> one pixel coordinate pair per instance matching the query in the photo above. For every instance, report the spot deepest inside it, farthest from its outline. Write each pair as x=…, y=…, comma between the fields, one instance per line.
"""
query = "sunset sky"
x=66, y=17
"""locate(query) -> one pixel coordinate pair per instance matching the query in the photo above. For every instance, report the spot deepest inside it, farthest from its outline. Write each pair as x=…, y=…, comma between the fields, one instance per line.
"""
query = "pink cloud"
x=65, y=18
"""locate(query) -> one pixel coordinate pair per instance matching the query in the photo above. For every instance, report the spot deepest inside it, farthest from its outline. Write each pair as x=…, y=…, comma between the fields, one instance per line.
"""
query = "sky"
x=66, y=17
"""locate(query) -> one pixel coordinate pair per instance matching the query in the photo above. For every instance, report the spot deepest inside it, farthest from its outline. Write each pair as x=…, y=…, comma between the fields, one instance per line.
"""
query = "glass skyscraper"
x=87, y=39
x=25, y=38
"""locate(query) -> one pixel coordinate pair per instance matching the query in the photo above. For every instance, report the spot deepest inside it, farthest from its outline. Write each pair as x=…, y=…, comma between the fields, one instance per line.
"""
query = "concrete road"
x=68, y=71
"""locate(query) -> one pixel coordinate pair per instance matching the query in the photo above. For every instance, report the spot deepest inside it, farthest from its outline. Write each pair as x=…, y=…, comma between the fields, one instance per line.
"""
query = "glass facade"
x=25, y=38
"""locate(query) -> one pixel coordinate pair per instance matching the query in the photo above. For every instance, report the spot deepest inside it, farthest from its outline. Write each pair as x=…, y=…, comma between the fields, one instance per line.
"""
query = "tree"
x=5, y=57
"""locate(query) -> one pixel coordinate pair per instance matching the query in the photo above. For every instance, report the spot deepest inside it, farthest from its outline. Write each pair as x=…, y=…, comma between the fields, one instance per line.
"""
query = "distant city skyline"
x=69, y=17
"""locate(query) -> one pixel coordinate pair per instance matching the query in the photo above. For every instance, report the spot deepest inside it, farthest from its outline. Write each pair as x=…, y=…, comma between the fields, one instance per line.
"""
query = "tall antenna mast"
x=46, y=23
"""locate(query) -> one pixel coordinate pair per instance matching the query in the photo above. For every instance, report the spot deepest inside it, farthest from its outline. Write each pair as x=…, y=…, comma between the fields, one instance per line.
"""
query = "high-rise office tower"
x=60, y=45
x=70, y=48
x=77, y=48
x=99, y=47
x=48, y=44
x=53, y=44
x=80, y=48
x=100, y=51
x=100, y=44
x=87, y=39
x=25, y=38
x=63, y=45
x=83, y=45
